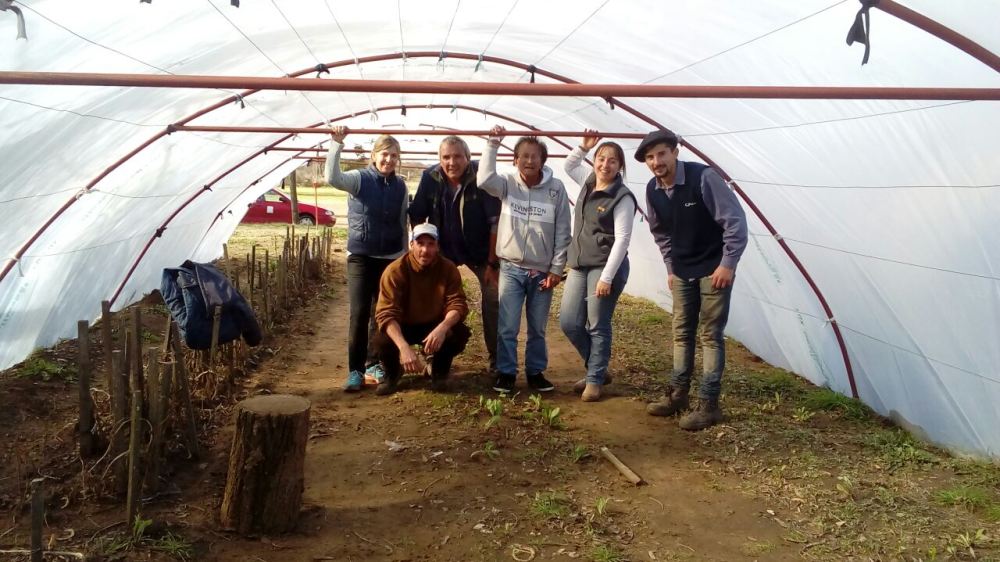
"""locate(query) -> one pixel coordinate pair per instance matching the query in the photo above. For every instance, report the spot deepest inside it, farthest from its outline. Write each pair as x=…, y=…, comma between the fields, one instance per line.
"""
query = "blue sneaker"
x=354, y=381
x=376, y=372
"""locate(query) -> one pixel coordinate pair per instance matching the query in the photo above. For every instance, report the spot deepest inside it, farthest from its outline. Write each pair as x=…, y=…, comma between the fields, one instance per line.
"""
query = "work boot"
x=581, y=384
x=675, y=401
x=439, y=384
x=591, y=392
x=386, y=387
x=705, y=415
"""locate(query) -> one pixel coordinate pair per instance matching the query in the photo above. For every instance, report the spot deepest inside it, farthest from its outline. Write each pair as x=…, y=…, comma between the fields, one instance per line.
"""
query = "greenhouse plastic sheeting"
x=891, y=206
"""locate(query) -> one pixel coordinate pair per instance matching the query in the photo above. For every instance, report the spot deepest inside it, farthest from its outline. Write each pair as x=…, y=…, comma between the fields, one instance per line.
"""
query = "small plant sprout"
x=802, y=414
x=490, y=450
x=551, y=416
x=578, y=453
x=601, y=505
x=536, y=402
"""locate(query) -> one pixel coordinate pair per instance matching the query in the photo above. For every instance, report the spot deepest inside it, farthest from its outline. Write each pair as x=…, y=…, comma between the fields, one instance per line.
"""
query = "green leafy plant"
x=550, y=505
x=601, y=505
x=490, y=450
x=827, y=400
x=536, y=402
x=969, y=497
x=38, y=367
x=494, y=407
x=605, y=553
x=551, y=416
x=802, y=414
x=578, y=453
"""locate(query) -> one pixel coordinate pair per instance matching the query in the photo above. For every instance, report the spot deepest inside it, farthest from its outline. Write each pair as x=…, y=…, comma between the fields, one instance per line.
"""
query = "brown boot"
x=675, y=401
x=591, y=393
x=581, y=384
x=705, y=415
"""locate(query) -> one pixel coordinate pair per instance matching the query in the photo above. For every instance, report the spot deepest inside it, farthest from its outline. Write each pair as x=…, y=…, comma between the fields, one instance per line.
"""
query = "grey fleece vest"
x=594, y=223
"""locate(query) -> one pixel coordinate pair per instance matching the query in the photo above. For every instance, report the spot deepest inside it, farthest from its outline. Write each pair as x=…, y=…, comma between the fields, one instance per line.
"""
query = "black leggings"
x=363, y=276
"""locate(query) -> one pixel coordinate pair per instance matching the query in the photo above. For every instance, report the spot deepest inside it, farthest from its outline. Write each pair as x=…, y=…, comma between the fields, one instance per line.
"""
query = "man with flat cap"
x=420, y=303
x=701, y=231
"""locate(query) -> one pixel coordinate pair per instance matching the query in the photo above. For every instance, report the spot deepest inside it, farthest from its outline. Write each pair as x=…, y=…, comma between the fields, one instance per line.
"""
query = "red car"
x=275, y=206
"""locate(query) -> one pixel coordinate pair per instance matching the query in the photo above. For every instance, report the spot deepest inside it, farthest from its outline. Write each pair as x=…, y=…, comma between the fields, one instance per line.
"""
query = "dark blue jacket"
x=373, y=215
x=192, y=291
x=478, y=212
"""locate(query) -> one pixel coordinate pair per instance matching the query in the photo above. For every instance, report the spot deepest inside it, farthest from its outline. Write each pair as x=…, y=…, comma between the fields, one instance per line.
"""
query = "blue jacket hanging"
x=192, y=291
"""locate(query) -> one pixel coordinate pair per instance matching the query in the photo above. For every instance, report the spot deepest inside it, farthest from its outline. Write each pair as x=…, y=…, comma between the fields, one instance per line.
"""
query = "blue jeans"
x=519, y=288
x=694, y=298
x=586, y=319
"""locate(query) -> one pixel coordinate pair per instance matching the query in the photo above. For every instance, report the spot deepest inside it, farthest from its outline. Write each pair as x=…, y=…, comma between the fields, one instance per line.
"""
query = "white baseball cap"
x=424, y=228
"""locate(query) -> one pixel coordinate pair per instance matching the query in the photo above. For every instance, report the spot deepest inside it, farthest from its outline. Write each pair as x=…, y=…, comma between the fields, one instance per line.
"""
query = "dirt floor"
x=795, y=473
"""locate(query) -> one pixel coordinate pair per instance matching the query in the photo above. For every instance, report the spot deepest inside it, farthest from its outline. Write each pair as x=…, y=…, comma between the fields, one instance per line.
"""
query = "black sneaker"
x=504, y=384
x=540, y=383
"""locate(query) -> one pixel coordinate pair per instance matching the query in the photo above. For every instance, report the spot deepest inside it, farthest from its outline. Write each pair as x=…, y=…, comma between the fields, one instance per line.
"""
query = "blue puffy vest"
x=375, y=225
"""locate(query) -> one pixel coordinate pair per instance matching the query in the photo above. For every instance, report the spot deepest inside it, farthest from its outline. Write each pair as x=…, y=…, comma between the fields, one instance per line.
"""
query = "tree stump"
x=267, y=465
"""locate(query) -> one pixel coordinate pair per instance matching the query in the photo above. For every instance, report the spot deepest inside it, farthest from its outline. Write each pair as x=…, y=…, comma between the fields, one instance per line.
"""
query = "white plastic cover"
x=889, y=205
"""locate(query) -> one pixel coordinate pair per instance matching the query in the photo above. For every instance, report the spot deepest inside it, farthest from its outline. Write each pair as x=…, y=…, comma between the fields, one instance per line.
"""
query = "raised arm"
x=576, y=164
x=344, y=181
x=487, y=177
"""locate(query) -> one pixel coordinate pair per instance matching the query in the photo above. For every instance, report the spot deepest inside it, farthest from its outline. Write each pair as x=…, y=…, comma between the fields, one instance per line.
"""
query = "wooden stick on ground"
x=626, y=471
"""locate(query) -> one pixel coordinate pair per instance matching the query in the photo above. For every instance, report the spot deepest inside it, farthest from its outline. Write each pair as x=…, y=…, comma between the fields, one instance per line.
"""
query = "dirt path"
x=451, y=496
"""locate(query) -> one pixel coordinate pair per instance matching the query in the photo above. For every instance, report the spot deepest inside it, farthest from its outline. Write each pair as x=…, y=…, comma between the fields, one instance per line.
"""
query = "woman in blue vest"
x=376, y=235
x=598, y=258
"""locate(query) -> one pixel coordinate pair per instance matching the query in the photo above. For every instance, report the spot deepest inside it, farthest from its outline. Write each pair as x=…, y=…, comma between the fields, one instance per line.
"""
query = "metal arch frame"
x=889, y=6
x=207, y=187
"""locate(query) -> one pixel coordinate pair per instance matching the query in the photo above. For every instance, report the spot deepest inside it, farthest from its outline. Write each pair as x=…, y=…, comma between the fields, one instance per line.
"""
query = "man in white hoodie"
x=532, y=238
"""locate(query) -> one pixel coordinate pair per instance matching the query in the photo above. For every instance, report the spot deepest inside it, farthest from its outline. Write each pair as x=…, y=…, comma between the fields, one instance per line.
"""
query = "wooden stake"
x=216, y=323
x=136, y=349
x=181, y=383
x=108, y=340
x=37, y=518
x=119, y=411
x=160, y=376
x=626, y=471
x=85, y=425
x=135, y=432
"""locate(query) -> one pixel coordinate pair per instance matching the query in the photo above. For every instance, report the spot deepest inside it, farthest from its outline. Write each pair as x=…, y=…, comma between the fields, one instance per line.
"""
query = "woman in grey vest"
x=598, y=258
x=376, y=235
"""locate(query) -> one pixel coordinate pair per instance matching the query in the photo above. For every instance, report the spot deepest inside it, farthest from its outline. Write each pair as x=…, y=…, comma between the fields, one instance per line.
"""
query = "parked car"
x=275, y=206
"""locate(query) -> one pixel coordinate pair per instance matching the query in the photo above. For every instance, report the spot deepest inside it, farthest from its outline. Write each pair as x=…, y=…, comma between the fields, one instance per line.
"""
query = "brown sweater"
x=410, y=294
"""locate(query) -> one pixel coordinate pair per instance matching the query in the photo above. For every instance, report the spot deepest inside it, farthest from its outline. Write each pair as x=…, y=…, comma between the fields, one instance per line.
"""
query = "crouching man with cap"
x=420, y=302
x=701, y=231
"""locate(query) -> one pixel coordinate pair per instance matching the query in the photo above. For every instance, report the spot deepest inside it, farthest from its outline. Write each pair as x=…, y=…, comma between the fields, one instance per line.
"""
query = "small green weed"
x=550, y=505
x=536, y=402
x=606, y=553
x=897, y=448
x=601, y=505
x=492, y=406
x=578, y=453
x=802, y=414
x=827, y=400
x=551, y=416
x=756, y=548
x=968, y=496
x=993, y=514
x=490, y=450
x=38, y=367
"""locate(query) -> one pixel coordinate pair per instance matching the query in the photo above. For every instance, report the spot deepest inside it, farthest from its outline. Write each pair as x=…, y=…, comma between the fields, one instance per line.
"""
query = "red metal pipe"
x=624, y=107
x=285, y=83
x=400, y=132
x=942, y=32
x=149, y=243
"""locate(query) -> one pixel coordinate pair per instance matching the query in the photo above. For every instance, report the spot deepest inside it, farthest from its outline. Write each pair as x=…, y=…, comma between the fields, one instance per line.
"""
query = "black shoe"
x=540, y=383
x=504, y=384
